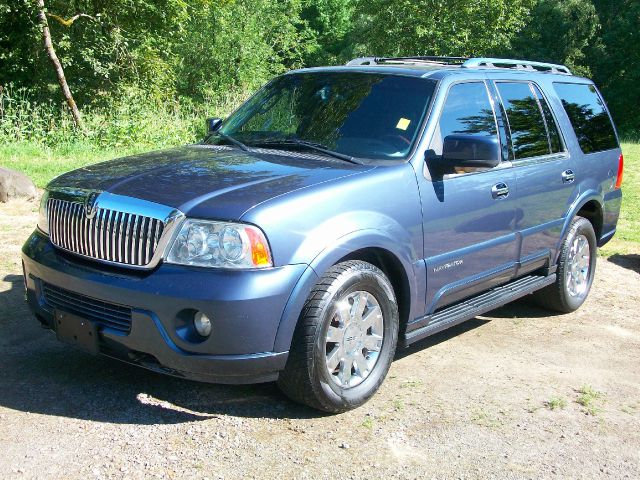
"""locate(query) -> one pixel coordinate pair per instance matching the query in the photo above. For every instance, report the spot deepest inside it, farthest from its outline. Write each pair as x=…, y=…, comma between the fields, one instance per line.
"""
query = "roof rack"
x=516, y=64
x=407, y=60
x=465, y=62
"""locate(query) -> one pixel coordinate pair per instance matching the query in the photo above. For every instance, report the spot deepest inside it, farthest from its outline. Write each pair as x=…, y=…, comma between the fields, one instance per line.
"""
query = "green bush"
x=134, y=119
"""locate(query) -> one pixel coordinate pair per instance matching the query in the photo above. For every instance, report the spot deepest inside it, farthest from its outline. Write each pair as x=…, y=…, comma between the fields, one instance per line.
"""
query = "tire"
x=329, y=315
x=563, y=295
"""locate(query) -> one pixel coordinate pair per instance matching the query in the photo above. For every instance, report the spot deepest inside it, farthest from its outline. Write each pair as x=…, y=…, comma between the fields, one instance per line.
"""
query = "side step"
x=468, y=309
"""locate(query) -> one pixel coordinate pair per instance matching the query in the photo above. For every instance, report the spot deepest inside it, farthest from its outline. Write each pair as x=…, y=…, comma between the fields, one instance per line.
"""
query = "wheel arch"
x=394, y=258
x=590, y=206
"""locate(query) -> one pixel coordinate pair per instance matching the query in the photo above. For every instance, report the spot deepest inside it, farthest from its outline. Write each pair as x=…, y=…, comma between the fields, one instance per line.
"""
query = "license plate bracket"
x=76, y=331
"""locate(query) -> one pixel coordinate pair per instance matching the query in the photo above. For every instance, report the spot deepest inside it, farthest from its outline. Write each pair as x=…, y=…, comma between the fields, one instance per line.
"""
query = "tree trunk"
x=48, y=45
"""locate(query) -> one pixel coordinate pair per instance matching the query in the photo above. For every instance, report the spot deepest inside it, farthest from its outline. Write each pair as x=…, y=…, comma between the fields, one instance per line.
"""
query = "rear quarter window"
x=588, y=116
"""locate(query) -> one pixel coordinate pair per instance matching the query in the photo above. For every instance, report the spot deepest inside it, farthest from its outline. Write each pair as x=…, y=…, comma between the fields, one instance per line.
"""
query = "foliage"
x=167, y=47
x=558, y=32
x=616, y=60
x=330, y=22
x=436, y=27
x=126, y=58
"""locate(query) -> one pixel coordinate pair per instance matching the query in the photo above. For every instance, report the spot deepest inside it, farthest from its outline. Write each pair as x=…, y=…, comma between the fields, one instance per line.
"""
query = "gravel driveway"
x=519, y=393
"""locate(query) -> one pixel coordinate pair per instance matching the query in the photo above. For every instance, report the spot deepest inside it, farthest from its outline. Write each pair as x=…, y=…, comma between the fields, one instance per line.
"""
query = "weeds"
x=367, y=423
x=589, y=398
x=483, y=418
x=411, y=384
x=556, y=403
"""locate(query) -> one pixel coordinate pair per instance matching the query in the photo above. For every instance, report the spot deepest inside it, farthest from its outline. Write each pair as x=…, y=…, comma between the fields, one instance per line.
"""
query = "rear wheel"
x=576, y=269
x=345, y=340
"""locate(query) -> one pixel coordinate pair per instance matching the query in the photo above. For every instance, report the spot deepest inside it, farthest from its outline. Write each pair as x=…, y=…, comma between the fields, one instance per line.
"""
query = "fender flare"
x=329, y=256
x=573, y=210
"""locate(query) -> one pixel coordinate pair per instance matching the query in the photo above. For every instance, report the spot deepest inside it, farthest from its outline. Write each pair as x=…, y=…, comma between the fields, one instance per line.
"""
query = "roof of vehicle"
x=430, y=67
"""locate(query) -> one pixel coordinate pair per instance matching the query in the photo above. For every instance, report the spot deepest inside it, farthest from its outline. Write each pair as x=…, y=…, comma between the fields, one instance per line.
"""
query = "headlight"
x=43, y=218
x=220, y=244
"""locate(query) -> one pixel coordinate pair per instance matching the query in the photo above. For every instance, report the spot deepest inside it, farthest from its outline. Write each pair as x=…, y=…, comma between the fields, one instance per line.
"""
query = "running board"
x=468, y=309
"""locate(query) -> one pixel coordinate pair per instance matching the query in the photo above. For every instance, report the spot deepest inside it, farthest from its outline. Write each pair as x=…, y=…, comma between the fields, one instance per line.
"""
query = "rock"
x=15, y=185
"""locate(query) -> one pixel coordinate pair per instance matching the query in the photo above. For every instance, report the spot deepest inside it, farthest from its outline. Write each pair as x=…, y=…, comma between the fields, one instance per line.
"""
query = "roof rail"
x=516, y=64
x=407, y=60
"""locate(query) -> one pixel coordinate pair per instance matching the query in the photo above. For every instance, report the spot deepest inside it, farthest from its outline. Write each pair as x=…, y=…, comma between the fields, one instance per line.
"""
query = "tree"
x=615, y=60
x=559, y=31
x=331, y=22
x=436, y=27
x=48, y=45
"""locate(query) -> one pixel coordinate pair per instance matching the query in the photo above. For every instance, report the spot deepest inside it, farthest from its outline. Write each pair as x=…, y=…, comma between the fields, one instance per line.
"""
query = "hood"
x=208, y=181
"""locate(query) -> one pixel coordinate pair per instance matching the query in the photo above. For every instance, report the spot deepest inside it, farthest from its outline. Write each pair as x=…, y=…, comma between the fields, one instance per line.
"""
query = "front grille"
x=109, y=235
x=105, y=314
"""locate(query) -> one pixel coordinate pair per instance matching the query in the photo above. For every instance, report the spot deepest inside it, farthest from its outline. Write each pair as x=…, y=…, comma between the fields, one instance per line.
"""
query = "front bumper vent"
x=105, y=314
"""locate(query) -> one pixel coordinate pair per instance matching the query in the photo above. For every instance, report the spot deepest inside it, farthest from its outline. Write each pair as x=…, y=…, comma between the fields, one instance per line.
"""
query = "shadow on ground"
x=631, y=262
x=40, y=375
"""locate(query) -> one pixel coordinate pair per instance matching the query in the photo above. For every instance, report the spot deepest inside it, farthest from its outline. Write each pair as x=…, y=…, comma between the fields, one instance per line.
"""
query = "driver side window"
x=467, y=111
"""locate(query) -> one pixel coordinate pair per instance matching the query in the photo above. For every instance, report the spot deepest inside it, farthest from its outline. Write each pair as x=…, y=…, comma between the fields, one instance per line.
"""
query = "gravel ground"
x=519, y=393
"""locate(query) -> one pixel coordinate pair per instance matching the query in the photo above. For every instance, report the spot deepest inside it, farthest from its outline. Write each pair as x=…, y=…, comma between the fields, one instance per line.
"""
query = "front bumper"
x=245, y=308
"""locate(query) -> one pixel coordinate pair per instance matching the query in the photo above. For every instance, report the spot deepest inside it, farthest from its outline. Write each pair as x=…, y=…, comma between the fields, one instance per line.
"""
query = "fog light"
x=202, y=324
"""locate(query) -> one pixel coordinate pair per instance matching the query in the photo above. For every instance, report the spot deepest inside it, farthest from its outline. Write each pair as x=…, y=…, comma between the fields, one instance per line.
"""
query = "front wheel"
x=576, y=269
x=345, y=339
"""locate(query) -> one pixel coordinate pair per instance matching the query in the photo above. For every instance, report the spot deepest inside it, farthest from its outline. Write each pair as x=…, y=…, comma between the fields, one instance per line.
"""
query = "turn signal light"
x=260, y=255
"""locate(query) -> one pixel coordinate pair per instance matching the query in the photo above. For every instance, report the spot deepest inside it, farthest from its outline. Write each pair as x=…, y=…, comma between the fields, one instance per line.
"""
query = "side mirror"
x=213, y=124
x=470, y=151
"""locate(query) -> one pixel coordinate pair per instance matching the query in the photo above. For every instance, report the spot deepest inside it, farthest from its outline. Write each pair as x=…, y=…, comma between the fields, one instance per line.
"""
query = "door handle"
x=500, y=190
x=568, y=176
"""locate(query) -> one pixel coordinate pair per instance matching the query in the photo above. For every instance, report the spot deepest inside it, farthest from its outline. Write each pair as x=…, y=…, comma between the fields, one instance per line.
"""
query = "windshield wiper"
x=311, y=145
x=230, y=139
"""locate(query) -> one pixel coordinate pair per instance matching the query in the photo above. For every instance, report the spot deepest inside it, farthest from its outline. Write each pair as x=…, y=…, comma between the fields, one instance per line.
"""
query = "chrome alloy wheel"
x=354, y=338
x=579, y=263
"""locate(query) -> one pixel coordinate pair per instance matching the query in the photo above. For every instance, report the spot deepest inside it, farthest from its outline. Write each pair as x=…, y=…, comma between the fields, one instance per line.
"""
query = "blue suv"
x=338, y=213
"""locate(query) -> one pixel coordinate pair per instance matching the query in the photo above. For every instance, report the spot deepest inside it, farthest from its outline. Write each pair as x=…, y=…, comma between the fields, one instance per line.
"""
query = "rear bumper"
x=610, y=214
x=245, y=308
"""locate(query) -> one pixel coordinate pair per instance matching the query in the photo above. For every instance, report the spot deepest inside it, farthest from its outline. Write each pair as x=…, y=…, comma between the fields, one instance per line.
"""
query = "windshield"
x=356, y=114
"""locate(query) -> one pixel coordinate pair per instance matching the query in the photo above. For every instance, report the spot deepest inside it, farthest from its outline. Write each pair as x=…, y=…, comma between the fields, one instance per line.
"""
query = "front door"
x=468, y=216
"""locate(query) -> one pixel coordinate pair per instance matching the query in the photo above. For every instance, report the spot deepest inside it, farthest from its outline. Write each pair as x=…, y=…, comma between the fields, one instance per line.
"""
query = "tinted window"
x=467, y=110
x=360, y=114
x=528, y=131
x=588, y=116
x=552, y=126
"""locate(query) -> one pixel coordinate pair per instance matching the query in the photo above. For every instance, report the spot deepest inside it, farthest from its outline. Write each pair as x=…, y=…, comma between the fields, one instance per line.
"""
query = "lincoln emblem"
x=90, y=205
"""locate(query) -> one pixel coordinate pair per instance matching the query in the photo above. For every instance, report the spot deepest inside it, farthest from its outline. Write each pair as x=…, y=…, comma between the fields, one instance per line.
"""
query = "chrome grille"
x=109, y=235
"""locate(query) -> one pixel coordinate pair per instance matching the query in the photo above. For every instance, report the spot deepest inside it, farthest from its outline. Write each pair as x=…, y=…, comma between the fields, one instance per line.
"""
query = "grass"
x=39, y=139
x=627, y=238
x=411, y=384
x=556, y=403
x=42, y=163
x=367, y=423
x=589, y=399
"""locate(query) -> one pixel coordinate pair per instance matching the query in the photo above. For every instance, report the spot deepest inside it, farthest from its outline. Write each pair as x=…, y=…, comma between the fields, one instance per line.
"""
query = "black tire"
x=306, y=378
x=557, y=296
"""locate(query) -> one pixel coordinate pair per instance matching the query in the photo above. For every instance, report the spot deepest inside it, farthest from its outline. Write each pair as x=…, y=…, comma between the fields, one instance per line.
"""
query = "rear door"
x=468, y=215
x=596, y=147
x=545, y=172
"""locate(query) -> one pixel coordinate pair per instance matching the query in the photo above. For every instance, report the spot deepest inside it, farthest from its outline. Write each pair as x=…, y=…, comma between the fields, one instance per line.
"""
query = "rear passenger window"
x=468, y=111
x=552, y=127
x=528, y=130
x=588, y=116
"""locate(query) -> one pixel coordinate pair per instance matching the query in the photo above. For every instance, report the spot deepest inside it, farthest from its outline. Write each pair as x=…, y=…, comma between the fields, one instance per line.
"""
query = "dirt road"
x=519, y=393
